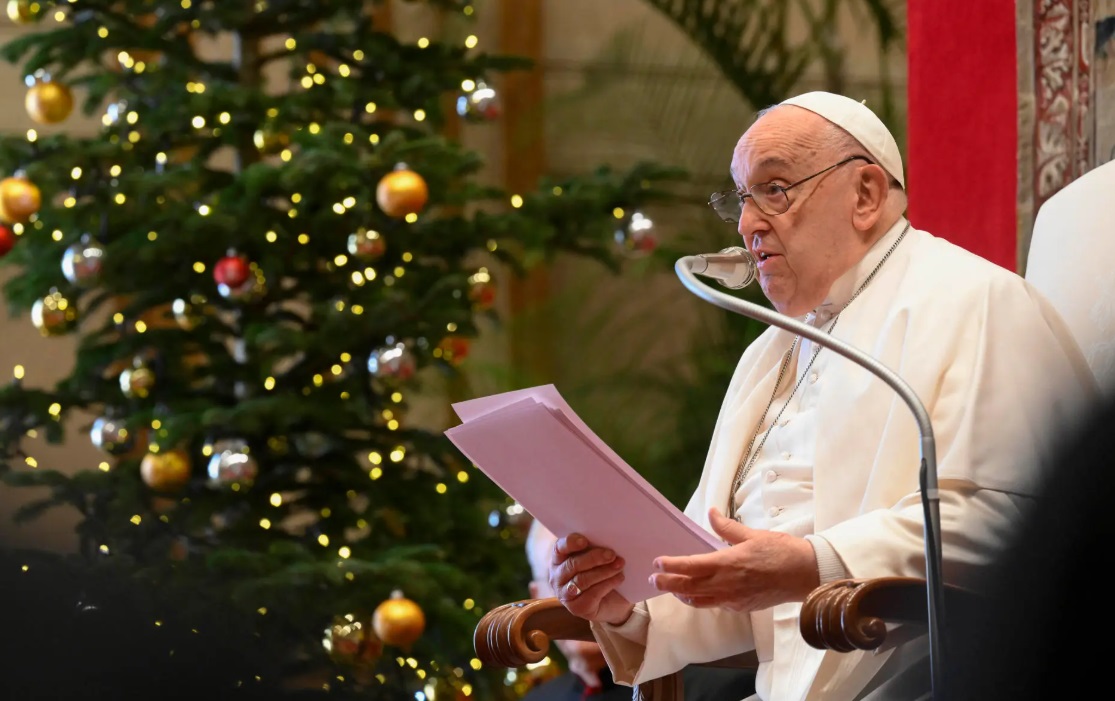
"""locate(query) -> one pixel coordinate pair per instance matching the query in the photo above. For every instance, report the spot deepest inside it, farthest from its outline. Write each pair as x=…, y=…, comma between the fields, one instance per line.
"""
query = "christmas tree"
x=261, y=273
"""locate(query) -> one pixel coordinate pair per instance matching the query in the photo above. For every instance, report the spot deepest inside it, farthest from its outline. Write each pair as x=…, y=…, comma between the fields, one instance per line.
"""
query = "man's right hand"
x=585, y=578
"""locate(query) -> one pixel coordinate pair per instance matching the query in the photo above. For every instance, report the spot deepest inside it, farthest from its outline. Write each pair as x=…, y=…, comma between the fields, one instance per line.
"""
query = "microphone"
x=734, y=268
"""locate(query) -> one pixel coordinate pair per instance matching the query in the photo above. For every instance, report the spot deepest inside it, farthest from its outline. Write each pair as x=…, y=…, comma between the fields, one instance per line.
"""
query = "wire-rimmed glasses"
x=770, y=198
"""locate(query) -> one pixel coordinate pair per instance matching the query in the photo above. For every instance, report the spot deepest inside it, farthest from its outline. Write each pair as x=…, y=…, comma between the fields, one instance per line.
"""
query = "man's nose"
x=751, y=220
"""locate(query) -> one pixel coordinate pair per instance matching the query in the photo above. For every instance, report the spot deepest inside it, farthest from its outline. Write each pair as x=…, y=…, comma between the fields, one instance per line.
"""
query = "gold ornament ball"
x=19, y=199
x=19, y=11
x=49, y=102
x=53, y=315
x=398, y=621
x=402, y=192
x=137, y=382
x=350, y=641
x=165, y=472
x=190, y=312
x=366, y=245
x=269, y=140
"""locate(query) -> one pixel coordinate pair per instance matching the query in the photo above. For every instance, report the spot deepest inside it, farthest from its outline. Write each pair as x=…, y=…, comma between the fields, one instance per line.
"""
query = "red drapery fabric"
x=962, y=162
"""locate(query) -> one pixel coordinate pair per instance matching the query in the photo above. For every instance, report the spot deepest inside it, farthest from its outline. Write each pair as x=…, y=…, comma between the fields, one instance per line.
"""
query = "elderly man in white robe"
x=812, y=472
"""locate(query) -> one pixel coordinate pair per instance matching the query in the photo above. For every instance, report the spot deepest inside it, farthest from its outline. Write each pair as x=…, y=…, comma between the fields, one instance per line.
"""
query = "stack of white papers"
x=536, y=448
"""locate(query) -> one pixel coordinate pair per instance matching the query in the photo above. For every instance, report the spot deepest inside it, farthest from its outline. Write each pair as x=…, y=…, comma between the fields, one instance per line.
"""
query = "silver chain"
x=750, y=457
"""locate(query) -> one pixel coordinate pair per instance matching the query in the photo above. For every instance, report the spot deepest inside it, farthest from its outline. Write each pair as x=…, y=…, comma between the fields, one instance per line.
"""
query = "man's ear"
x=871, y=196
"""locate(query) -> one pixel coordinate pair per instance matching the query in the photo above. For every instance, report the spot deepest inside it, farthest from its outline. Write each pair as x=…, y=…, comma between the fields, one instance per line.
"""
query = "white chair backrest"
x=1072, y=262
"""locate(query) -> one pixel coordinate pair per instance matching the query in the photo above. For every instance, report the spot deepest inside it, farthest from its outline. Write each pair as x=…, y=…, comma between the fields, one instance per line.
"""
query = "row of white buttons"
x=772, y=476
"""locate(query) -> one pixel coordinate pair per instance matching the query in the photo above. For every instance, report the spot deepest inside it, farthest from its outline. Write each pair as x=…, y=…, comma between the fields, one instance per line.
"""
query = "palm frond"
x=748, y=40
x=759, y=47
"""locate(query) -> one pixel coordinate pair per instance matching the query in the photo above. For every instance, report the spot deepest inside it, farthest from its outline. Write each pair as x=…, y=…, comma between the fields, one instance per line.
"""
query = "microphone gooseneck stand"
x=686, y=268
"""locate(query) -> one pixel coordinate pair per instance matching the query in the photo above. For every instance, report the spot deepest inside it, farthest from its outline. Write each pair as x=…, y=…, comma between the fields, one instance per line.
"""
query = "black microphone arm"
x=716, y=265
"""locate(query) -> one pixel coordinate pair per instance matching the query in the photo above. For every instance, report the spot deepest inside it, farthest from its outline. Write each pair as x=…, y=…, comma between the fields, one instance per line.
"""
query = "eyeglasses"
x=770, y=198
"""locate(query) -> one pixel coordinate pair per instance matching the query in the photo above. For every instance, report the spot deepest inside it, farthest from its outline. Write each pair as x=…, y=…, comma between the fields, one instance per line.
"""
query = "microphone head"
x=741, y=270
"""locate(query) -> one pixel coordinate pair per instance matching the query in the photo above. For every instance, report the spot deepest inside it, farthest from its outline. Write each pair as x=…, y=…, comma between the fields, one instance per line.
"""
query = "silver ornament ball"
x=138, y=380
x=111, y=436
x=366, y=245
x=190, y=311
x=115, y=113
x=481, y=104
x=312, y=444
x=54, y=314
x=81, y=263
x=232, y=464
x=394, y=362
x=636, y=237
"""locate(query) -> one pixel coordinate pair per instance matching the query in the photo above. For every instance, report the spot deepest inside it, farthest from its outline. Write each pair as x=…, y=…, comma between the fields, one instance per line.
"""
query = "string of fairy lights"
x=402, y=193
x=406, y=186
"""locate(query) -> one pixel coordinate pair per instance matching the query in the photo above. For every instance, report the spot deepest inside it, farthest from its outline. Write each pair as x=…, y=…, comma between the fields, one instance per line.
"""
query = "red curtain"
x=962, y=132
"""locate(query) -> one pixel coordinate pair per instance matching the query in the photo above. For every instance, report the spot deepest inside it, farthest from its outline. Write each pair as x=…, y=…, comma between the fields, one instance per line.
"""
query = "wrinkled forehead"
x=784, y=142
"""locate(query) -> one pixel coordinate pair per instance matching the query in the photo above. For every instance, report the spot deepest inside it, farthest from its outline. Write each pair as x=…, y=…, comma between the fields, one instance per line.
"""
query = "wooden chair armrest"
x=519, y=633
x=845, y=615
x=852, y=614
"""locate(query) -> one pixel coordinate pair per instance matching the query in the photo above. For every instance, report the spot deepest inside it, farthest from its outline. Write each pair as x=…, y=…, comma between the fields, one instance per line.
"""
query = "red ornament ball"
x=232, y=271
x=7, y=240
x=454, y=349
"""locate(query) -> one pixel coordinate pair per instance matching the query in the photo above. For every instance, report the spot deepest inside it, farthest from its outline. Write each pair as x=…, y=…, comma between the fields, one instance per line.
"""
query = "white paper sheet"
x=536, y=448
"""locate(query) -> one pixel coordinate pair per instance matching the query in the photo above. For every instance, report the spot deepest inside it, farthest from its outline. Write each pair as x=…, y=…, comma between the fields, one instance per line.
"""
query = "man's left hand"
x=760, y=569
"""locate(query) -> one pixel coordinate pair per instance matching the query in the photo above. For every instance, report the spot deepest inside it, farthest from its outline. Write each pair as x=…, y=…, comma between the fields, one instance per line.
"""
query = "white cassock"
x=999, y=374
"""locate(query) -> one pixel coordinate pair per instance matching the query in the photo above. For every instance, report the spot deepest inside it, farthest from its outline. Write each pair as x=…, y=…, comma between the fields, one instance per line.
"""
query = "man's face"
x=801, y=252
